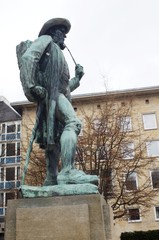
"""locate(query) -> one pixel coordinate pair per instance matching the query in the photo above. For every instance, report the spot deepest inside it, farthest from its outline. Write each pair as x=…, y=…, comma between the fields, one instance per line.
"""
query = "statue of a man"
x=45, y=78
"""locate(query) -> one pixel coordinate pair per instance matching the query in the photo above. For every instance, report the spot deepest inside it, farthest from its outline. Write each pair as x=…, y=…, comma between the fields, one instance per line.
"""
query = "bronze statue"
x=45, y=78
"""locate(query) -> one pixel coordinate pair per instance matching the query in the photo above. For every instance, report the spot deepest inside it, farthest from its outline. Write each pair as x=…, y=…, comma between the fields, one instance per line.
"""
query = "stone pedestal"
x=78, y=217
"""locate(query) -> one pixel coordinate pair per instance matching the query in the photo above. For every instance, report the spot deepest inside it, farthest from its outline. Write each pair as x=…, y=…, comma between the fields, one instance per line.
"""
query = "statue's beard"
x=62, y=46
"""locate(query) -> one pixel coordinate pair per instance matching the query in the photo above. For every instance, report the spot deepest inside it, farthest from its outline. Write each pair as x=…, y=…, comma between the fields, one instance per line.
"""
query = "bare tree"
x=36, y=171
x=110, y=148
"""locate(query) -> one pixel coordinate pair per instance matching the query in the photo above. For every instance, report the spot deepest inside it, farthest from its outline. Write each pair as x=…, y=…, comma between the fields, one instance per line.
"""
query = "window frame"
x=156, y=218
x=136, y=181
x=132, y=149
x=96, y=123
x=107, y=176
x=146, y=125
x=148, y=146
x=126, y=124
x=13, y=183
x=5, y=135
x=82, y=127
x=17, y=149
x=134, y=220
x=152, y=183
x=3, y=205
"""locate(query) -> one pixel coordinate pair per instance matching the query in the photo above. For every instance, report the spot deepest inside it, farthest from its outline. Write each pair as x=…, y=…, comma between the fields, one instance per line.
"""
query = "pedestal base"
x=77, y=217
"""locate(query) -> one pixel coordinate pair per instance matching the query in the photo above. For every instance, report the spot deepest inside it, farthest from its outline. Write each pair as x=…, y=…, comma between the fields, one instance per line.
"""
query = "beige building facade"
x=141, y=118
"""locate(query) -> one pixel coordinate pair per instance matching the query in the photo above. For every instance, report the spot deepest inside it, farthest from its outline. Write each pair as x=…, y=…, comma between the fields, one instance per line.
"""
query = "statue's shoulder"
x=21, y=49
x=41, y=42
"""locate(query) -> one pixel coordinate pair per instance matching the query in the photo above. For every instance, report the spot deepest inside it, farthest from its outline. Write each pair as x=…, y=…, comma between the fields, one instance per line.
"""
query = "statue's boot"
x=75, y=176
x=52, y=157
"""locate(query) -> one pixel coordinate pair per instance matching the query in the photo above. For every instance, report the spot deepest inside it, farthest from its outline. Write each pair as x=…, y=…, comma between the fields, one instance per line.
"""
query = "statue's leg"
x=52, y=160
x=72, y=125
x=68, y=141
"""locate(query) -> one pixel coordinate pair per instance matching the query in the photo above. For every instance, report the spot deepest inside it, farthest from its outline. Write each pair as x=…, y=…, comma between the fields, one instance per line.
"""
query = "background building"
x=129, y=168
x=10, y=129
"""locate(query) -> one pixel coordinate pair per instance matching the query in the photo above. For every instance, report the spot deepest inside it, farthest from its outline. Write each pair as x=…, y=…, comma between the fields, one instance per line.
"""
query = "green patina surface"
x=45, y=78
x=58, y=190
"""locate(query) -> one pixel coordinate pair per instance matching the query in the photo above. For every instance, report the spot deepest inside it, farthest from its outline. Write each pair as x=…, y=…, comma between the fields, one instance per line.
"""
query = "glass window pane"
x=2, y=153
x=10, y=128
x=1, y=211
x=150, y=121
x=18, y=128
x=106, y=177
x=126, y=123
x=96, y=123
x=155, y=179
x=18, y=173
x=134, y=214
x=18, y=149
x=131, y=182
x=1, y=199
x=157, y=212
x=82, y=127
x=3, y=128
x=10, y=174
x=2, y=175
x=10, y=149
x=128, y=151
x=152, y=148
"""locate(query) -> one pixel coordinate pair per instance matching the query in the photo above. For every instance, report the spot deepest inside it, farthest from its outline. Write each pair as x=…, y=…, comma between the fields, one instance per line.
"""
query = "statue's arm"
x=75, y=82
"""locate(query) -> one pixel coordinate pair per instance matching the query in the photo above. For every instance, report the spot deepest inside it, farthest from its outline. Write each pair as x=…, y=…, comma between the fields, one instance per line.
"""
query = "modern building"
x=141, y=123
x=10, y=133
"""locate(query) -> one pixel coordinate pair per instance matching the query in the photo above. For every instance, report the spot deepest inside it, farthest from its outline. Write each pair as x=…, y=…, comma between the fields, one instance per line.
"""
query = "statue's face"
x=59, y=35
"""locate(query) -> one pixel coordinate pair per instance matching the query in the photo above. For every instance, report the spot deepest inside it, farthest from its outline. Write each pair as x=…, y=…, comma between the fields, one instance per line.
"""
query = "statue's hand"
x=38, y=92
x=79, y=71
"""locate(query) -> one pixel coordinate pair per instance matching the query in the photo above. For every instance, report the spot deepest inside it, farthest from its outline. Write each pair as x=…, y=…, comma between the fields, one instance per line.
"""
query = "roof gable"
x=7, y=113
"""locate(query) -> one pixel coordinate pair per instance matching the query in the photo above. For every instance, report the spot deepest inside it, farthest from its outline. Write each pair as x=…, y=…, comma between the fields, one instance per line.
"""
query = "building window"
x=10, y=149
x=10, y=131
x=149, y=121
x=125, y=124
x=123, y=104
x=9, y=177
x=128, y=151
x=103, y=153
x=79, y=155
x=2, y=175
x=155, y=179
x=11, y=128
x=4, y=197
x=96, y=123
x=18, y=149
x=134, y=215
x=157, y=212
x=10, y=173
x=3, y=128
x=131, y=181
x=2, y=150
x=82, y=127
x=106, y=181
x=18, y=128
x=152, y=148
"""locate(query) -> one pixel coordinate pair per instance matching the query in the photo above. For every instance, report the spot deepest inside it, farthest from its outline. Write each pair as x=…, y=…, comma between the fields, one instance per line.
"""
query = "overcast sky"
x=117, y=41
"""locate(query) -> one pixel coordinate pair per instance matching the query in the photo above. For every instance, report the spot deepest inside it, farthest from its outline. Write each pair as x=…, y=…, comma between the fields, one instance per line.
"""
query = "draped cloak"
x=42, y=63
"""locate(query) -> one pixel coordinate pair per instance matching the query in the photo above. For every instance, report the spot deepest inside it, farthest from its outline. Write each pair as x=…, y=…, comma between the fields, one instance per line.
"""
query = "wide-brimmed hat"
x=55, y=22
